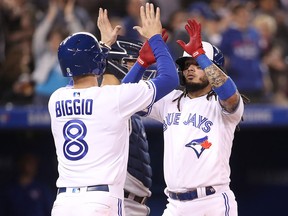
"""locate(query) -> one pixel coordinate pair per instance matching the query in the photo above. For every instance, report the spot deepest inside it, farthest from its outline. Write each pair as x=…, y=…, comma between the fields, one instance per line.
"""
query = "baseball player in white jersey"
x=199, y=124
x=90, y=123
x=122, y=56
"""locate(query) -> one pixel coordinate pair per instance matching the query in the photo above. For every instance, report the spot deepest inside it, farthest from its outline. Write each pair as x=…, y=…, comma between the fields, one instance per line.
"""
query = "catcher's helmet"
x=80, y=54
x=124, y=51
x=211, y=51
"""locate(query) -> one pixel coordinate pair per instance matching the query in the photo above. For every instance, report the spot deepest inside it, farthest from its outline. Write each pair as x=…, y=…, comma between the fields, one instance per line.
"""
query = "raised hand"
x=108, y=34
x=69, y=8
x=52, y=10
x=150, y=20
x=146, y=56
x=194, y=46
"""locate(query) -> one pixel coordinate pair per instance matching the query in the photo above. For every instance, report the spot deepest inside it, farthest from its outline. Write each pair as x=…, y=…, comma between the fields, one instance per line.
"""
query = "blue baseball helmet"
x=80, y=54
x=123, y=51
x=211, y=51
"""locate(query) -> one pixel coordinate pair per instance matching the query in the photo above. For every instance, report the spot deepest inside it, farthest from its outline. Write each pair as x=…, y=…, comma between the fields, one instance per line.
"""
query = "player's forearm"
x=135, y=74
x=167, y=79
x=222, y=84
x=215, y=75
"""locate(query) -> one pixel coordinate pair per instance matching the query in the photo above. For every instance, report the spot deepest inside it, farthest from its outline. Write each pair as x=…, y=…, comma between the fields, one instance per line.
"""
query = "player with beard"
x=199, y=124
x=90, y=124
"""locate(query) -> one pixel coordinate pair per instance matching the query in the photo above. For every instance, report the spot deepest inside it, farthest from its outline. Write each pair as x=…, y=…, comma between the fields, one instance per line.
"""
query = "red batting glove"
x=146, y=56
x=194, y=46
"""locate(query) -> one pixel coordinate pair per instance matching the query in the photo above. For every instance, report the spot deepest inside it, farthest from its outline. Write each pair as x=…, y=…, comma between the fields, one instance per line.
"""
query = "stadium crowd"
x=252, y=34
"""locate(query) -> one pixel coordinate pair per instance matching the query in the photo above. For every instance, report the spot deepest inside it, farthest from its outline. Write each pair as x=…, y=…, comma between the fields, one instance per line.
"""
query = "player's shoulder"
x=168, y=99
x=142, y=85
x=57, y=91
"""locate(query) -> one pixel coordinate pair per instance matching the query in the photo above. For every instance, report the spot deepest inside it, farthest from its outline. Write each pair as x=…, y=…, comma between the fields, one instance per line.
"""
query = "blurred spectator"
x=267, y=27
x=63, y=17
x=18, y=19
x=15, y=77
x=275, y=60
x=167, y=8
x=278, y=10
x=177, y=23
x=76, y=8
x=17, y=22
x=273, y=56
x=132, y=19
x=267, y=6
x=27, y=196
x=241, y=46
x=284, y=3
x=220, y=7
x=74, y=12
x=115, y=7
x=222, y=10
x=2, y=41
x=201, y=12
x=47, y=76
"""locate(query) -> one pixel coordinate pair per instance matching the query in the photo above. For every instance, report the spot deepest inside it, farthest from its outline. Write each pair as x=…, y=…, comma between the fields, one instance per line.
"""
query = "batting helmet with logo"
x=81, y=54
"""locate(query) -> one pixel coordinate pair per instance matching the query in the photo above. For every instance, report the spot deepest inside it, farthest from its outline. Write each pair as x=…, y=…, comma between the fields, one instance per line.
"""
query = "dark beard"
x=193, y=87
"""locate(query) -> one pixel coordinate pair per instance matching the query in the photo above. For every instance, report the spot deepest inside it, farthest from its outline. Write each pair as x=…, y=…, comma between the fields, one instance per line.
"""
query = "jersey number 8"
x=75, y=147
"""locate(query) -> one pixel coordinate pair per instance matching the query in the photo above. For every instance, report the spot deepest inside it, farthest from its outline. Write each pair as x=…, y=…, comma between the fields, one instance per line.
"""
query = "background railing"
x=31, y=116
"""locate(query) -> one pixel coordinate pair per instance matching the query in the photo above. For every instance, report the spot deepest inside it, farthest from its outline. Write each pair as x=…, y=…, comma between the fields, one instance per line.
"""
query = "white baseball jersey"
x=90, y=129
x=197, y=141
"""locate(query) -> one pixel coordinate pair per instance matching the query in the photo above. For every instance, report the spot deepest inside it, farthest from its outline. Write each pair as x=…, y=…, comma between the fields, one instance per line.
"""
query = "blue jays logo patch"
x=199, y=145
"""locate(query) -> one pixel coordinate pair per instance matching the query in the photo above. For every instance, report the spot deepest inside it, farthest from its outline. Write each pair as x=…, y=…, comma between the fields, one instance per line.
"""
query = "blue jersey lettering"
x=74, y=107
x=193, y=119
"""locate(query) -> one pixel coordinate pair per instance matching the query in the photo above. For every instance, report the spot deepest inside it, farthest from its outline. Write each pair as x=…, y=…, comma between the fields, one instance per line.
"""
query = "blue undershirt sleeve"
x=167, y=78
x=135, y=74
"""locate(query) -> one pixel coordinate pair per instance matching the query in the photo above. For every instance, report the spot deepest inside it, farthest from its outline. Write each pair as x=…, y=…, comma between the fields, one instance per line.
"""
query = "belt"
x=190, y=195
x=141, y=200
x=88, y=188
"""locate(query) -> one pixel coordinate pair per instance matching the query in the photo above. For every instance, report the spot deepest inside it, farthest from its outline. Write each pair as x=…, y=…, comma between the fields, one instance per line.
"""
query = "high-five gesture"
x=108, y=34
x=150, y=20
x=146, y=56
x=194, y=46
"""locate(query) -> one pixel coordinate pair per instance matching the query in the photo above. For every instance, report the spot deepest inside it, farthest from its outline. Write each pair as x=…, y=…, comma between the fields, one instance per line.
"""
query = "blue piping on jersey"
x=119, y=207
x=226, y=202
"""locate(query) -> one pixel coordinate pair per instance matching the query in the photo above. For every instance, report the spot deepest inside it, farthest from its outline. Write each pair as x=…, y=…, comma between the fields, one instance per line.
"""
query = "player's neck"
x=109, y=79
x=198, y=93
x=85, y=81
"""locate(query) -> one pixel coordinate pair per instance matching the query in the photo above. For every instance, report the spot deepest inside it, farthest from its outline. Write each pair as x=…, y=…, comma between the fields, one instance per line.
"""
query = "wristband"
x=198, y=52
x=203, y=61
x=104, y=45
x=141, y=62
x=226, y=90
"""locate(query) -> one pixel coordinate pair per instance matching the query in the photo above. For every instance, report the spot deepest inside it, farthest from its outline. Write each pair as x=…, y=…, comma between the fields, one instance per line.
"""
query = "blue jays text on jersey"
x=194, y=119
x=74, y=107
